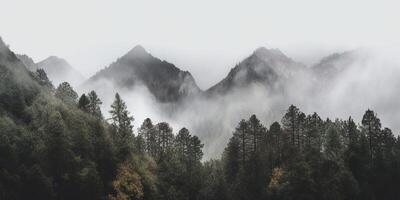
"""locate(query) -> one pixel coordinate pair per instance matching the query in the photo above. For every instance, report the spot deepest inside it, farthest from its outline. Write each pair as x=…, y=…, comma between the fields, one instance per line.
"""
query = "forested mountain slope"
x=54, y=145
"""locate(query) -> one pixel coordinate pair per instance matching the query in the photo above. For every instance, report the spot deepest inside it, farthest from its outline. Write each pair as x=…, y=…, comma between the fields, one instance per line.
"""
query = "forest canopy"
x=55, y=144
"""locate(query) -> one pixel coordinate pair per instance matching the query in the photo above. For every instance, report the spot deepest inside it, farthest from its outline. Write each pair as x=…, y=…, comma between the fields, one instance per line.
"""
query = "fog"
x=369, y=81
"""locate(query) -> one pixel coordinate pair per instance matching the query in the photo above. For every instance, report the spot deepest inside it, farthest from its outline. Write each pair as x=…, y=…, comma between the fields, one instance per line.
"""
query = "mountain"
x=27, y=61
x=331, y=65
x=264, y=66
x=17, y=87
x=37, y=130
x=164, y=80
x=59, y=70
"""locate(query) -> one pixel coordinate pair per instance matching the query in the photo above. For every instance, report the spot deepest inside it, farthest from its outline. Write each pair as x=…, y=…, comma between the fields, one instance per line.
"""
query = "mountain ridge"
x=57, y=69
x=164, y=80
x=263, y=66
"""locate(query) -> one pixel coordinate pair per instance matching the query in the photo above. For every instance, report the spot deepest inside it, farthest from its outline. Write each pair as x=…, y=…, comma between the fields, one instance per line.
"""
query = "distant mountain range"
x=58, y=70
x=170, y=84
x=167, y=83
x=264, y=83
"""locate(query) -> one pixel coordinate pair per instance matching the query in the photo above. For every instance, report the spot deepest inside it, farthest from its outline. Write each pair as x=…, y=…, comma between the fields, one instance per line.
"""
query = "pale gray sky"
x=206, y=37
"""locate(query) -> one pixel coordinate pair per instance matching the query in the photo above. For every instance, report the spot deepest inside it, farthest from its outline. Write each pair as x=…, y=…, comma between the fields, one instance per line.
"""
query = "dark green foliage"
x=214, y=185
x=66, y=93
x=83, y=103
x=147, y=137
x=90, y=103
x=41, y=77
x=312, y=159
x=94, y=105
x=121, y=128
x=52, y=149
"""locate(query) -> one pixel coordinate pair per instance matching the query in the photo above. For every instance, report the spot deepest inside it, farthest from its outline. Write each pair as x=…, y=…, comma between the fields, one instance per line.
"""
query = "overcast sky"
x=206, y=37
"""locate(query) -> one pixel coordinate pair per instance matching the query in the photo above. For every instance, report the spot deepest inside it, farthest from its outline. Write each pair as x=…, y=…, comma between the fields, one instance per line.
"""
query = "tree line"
x=305, y=157
x=57, y=145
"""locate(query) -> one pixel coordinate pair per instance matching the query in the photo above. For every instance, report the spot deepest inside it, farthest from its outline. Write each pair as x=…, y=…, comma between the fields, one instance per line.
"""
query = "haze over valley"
x=199, y=100
x=264, y=83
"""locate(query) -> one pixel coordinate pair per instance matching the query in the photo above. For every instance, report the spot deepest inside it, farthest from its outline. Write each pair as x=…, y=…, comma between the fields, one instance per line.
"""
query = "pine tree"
x=66, y=93
x=290, y=123
x=121, y=122
x=42, y=78
x=313, y=132
x=83, y=103
x=188, y=147
x=256, y=132
x=148, y=133
x=276, y=143
x=333, y=147
x=371, y=125
x=189, y=153
x=182, y=144
x=241, y=133
x=352, y=132
x=94, y=105
x=165, y=139
x=59, y=157
x=231, y=158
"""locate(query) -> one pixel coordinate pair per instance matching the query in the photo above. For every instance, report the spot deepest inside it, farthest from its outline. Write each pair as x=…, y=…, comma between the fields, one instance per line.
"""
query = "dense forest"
x=55, y=144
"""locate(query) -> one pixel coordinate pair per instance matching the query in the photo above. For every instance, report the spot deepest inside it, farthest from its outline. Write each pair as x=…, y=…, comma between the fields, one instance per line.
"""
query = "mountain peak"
x=265, y=66
x=265, y=53
x=138, y=51
x=164, y=81
x=59, y=70
x=54, y=60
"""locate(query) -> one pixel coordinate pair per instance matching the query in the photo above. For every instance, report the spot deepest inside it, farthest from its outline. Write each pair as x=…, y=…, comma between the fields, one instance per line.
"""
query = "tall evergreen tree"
x=59, y=157
x=147, y=131
x=83, y=103
x=313, y=132
x=165, y=139
x=94, y=105
x=241, y=133
x=276, y=144
x=371, y=125
x=189, y=150
x=290, y=123
x=122, y=127
x=231, y=158
x=256, y=132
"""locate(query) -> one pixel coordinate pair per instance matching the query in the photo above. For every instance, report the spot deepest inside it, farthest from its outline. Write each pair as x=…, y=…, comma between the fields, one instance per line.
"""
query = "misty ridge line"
x=265, y=83
x=32, y=65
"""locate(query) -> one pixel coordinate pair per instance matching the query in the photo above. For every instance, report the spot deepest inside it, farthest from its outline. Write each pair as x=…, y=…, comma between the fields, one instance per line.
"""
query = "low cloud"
x=371, y=81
